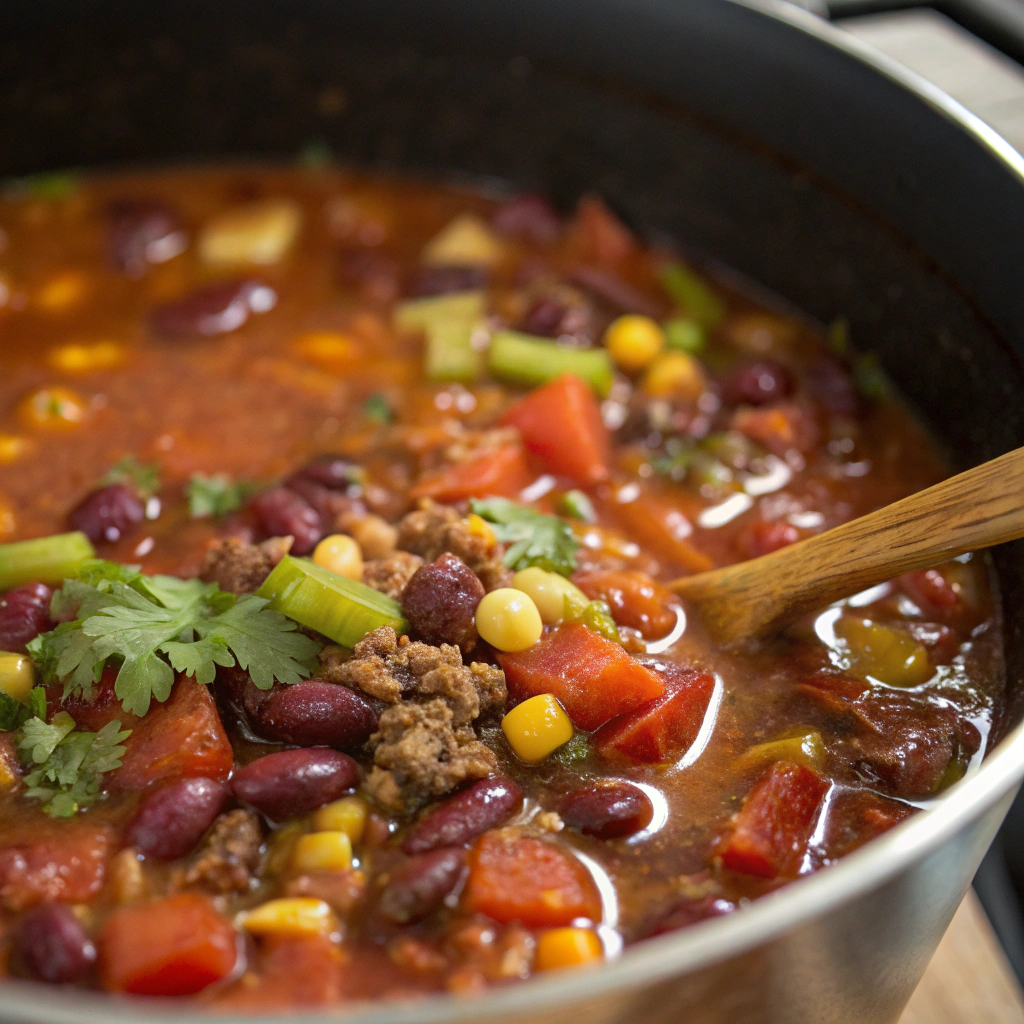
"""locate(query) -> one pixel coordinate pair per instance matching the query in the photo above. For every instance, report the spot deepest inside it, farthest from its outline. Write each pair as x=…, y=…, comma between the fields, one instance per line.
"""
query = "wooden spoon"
x=977, y=509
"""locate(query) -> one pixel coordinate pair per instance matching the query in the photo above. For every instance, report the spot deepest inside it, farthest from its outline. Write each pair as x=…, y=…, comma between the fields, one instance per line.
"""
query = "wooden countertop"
x=969, y=980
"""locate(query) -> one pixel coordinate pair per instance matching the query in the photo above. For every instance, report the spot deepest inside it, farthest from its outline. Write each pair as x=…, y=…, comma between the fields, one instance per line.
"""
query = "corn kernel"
x=8, y=777
x=341, y=555
x=674, y=375
x=62, y=292
x=322, y=851
x=336, y=353
x=290, y=916
x=87, y=358
x=508, y=620
x=634, y=341
x=567, y=947
x=260, y=232
x=54, y=408
x=464, y=241
x=12, y=448
x=479, y=527
x=347, y=815
x=548, y=591
x=17, y=675
x=537, y=727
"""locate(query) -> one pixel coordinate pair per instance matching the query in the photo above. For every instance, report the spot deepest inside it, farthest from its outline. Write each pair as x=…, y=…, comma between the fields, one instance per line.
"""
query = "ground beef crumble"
x=239, y=567
x=227, y=860
x=425, y=744
x=391, y=574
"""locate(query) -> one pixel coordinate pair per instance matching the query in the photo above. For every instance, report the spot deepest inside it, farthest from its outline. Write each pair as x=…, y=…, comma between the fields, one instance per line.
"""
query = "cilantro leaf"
x=143, y=478
x=216, y=495
x=14, y=714
x=534, y=538
x=377, y=409
x=67, y=763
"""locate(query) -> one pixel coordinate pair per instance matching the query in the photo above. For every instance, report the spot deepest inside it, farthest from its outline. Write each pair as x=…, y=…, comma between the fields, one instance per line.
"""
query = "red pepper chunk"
x=594, y=679
x=663, y=729
x=771, y=830
x=514, y=877
x=174, y=947
x=502, y=473
x=181, y=737
x=561, y=426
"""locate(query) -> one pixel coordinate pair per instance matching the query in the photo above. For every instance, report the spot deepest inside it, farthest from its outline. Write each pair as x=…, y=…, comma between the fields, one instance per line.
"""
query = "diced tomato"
x=500, y=473
x=766, y=536
x=779, y=428
x=174, y=947
x=634, y=599
x=600, y=234
x=933, y=592
x=664, y=729
x=43, y=860
x=662, y=526
x=594, y=679
x=513, y=877
x=184, y=736
x=102, y=707
x=857, y=816
x=560, y=424
x=770, y=833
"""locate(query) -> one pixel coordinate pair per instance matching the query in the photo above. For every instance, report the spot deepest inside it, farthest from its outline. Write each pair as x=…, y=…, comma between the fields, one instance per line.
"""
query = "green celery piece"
x=684, y=335
x=525, y=359
x=690, y=291
x=577, y=505
x=341, y=609
x=450, y=353
x=423, y=314
x=49, y=560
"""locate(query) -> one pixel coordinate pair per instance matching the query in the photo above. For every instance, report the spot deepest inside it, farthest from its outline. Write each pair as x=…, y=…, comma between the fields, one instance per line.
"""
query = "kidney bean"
x=108, y=514
x=830, y=382
x=283, y=513
x=421, y=884
x=215, y=309
x=462, y=817
x=446, y=280
x=24, y=614
x=140, y=232
x=529, y=217
x=440, y=602
x=312, y=713
x=687, y=912
x=379, y=277
x=173, y=818
x=757, y=384
x=330, y=471
x=607, y=810
x=53, y=945
x=291, y=783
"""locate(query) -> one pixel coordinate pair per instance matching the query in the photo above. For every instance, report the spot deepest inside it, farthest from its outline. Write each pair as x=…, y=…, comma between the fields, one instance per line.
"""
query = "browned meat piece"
x=229, y=856
x=239, y=567
x=391, y=573
x=433, y=529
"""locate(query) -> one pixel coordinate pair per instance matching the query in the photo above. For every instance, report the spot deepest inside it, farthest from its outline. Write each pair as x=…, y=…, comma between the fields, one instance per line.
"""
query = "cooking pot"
x=752, y=134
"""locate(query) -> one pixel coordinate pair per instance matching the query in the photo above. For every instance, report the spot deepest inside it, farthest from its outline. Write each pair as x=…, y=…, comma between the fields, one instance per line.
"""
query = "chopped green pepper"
x=525, y=359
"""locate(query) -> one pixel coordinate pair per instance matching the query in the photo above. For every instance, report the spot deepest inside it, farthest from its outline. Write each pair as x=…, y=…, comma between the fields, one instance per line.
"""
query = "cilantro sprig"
x=216, y=495
x=533, y=538
x=142, y=477
x=14, y=714
x=155, y=626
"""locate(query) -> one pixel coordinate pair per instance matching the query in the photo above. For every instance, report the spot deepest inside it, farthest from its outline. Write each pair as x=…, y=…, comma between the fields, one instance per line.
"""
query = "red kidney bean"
x=615, y=292
x=446, y=280
x=316, y=714
x=688, y=912
x=140, y=232
x=24, y=614
x=757, y=384
x=529, y=217
x=53, y=945
x=215, y=309
x=283, y=513
x=421, y=884
x=378, y=276
x=440, y=602
x=830, y=382
x=462, y=817
x=607, y=810
x=108, y=514
x=330, y=471
x=173, y=818
x=291, y=783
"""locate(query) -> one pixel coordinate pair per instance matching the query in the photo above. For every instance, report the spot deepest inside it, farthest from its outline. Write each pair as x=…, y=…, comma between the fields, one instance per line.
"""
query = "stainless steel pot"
x=754, y=132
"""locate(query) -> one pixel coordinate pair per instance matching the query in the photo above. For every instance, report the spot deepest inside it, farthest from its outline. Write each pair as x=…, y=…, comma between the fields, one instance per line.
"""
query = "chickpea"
x=548, y=591
x=674, y=375
x=508, y=620
x=375, y=536
x=340, y=554
x=634, y=341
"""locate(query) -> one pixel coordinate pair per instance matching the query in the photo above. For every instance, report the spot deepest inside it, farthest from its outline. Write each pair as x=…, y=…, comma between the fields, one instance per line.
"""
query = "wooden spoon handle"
x=977, y=509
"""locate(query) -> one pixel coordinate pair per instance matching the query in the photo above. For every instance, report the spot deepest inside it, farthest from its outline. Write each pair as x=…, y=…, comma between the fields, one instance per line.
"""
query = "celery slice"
x=423, y=314
x=525, y=359
x=450, y=353
x=45, y=560
x=693, y=294
x=341, y=609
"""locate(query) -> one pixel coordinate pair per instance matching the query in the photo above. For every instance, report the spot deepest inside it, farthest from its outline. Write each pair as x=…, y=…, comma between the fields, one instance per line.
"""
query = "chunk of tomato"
x=501, y=473
x=635, y=599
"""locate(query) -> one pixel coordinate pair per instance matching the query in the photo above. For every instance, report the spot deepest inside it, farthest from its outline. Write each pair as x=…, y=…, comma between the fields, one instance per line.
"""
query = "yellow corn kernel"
x=537, y=727
x=12, y=448
x=548, y=591
x=346, y=815
x=290, y=916
x=674, y=375
x=888, y=655
x=337, y=353
x=87, y=358
x=341, y=555
x=54, y=408
x=63, y=291
x=8, y=777
x=567, y=947
x=17, y=675
x=260, y=232
x=464, y=241
x=479, y=527
x=800, y=745
x=322, y=851
x=634, y=341
x=508, y=620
